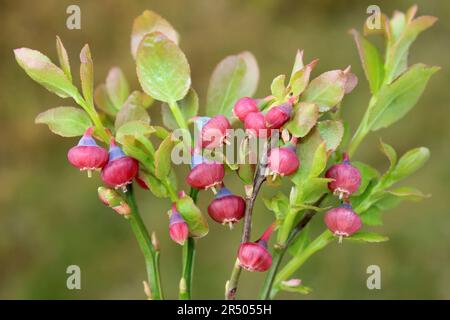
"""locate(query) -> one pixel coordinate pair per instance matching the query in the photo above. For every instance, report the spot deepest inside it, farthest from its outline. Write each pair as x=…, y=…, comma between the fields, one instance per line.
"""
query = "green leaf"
x=188, y=107
x=198, y=226
x=161, y=132
x=103, y=102
x=155, y=185
x=327, y=90
x=135, y=128
x=408, y=193
x=409, y=163
x=372, y=217
x=117, y=87
x=163, y=162
x=395, y=100
x=305, y=118
x=278, y=88
x=162, y=68
x=300, y=243
x=368, y=174
x=402, y=39
x=149, y=22
x=390, y=153
x=331, y=132
x=233, y=78
x=87, y=75
x=278, y=204
x=134, y=148
x=367, y=237
x=308, y=151
x=63, y=58
x=42, y=70
x=65, y=121
x=313, y=189
x=371, y=61
x=131, y=111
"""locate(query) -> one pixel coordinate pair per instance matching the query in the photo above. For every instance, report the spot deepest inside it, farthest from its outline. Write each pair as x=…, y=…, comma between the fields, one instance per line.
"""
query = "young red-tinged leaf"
x=300, y=79
x=65, y=121
x=42, y=70
x=395, y=100
x=87, y=75
x=103, y=102
x=163, y=158
x=149, y=22
x=63, y=58
x=188, y=107
x=198, y=226
x=162, y=68
x=233, y=78
x=298, y=63
x=305, y=118
x=331, y=132
x=327, y=90
x=132, y=110
x=117, y=87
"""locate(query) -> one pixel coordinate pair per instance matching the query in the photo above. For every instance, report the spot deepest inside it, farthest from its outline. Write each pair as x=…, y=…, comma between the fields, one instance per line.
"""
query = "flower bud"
x=244, y=106
x=87, y=155
x=114, y=200
x=255, y=125
x=120, y=169
x=226, y=208
x=283, y=161
x=346, y=178
x=342, y=221
x=276, y=117
x=254, y=256
x=213, y=131
x=178, y=228
x=204, y=173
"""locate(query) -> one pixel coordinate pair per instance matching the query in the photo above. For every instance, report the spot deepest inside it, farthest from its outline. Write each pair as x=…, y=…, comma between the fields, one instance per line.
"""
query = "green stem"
x=277, y=256
x=231, y=285
x=151, y=256
x=362, y=130
x=286, y=227
x=296, y=262
x=185, y=291
x=188, y=269
x=90, y=110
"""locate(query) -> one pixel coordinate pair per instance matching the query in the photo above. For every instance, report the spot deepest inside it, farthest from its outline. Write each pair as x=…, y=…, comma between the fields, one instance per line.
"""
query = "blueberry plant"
x=306, y=144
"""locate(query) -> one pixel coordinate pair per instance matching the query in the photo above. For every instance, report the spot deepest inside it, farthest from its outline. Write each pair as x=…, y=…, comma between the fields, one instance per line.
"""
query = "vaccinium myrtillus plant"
x=299, y=122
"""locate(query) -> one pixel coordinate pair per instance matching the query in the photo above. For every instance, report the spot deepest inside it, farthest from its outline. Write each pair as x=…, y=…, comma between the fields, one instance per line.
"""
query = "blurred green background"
x=50, y=216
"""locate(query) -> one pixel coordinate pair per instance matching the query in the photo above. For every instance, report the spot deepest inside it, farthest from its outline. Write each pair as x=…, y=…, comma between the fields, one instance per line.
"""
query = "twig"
x=258, y=180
